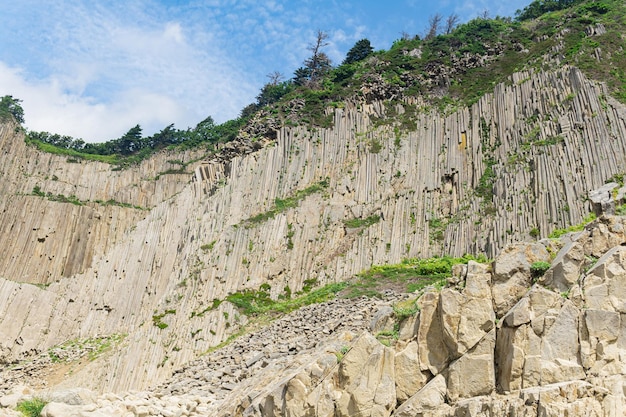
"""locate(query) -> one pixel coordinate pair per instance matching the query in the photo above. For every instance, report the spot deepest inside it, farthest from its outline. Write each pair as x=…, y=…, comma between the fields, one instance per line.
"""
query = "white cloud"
x=48, y=108
x=105, y=75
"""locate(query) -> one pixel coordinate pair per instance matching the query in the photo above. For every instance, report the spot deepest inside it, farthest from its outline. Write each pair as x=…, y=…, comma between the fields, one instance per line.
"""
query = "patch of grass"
x=410, y=275
x=112, y=202
x=387, y=337
x=358, y=223
x=405, y=309
x=76, y=156
x=95, y=347
x=575, y=228
x=214, y=305
x=375, y=146
x=72, y=199
x=256, y=302
x=32, y=407
x=157, y=319
x=208, y=246
x=436, y=229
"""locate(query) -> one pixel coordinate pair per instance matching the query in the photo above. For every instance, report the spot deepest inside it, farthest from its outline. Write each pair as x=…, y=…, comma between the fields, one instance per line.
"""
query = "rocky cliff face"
x=313, y=204
x=480, y=347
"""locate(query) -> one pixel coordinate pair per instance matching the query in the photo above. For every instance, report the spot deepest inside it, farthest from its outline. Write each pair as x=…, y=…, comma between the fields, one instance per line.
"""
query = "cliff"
x=315, y=204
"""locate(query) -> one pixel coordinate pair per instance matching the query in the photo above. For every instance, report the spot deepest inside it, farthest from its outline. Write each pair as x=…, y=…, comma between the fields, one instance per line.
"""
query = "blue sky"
x=95, y=68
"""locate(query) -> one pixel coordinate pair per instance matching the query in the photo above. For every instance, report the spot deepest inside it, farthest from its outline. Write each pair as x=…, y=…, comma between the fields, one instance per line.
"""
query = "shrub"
x=32, y=407
x=537, y=269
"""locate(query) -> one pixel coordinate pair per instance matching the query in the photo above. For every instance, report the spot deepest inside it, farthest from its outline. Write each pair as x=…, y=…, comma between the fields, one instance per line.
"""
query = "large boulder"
x=511, y=277
x=467, y=316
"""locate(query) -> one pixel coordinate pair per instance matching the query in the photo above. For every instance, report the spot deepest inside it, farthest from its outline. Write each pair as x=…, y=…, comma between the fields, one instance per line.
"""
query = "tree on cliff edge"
x=10, y=106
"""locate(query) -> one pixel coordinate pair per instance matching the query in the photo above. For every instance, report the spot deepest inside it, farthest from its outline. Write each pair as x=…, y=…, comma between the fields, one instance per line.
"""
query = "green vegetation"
x=59, y=197
x=537, y=269
x=342, y=352
x=215, y=304
x=132, y=148
x=362, y=223
x=10, y=108
x=157, y=319
x=95, y=347
x=32, y=407
x=575, y=228
x=448, y=68
x=256, y=302
x=72, y=199
x=387, y=337
x=405, y=309
x=281, y=205
x=410, y=275
x=208, y=246
x=534, y=232
x=436, y=229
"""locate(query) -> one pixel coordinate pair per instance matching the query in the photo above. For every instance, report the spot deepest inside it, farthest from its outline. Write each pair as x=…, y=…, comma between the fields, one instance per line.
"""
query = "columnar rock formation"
x=520, y=160
x=481, y=346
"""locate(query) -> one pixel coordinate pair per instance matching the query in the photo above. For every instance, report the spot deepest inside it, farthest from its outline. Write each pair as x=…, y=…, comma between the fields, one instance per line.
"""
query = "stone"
x=519, y=314
x=473, y=374
x=429, y=398
x=511, y=274
x=433, y=352
x=604, y=286
x=383, y=320
x=602, y=199
x=408, y=377
x=602, y=324
x=371, y=388
x=566, y=268
x=73, y=396
x=53, y=409
x=466, y=316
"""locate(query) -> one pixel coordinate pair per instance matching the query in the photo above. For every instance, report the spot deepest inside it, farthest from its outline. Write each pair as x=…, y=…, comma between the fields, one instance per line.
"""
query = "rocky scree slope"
x=319, y=205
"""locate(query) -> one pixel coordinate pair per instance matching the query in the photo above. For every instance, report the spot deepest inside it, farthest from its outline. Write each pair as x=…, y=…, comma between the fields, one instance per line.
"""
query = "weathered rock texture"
x=540, y=142
x=552, y=354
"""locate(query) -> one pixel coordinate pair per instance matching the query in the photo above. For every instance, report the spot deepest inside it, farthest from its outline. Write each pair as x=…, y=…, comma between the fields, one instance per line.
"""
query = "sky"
x=93, y=69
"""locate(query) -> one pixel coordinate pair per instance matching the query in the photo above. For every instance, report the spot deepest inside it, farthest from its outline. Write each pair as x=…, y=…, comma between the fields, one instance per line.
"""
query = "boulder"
x=74, y=396
x=602, y=201
x=604, y=286
x=370, y=388
x=426, y=400
x=433, y=352
x=511, y=277
x=409, y=377
x=566, y=267
x=474, y=373
x=467, y=316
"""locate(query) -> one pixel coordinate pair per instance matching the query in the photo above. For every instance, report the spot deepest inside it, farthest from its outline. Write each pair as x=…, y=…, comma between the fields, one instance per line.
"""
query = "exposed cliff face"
x=556, y=349
x=523, y=157
x=46, y=240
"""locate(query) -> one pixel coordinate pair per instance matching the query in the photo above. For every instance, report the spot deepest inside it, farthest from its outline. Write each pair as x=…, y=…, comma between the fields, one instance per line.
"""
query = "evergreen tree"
x=10, y=106
x=361, y=50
